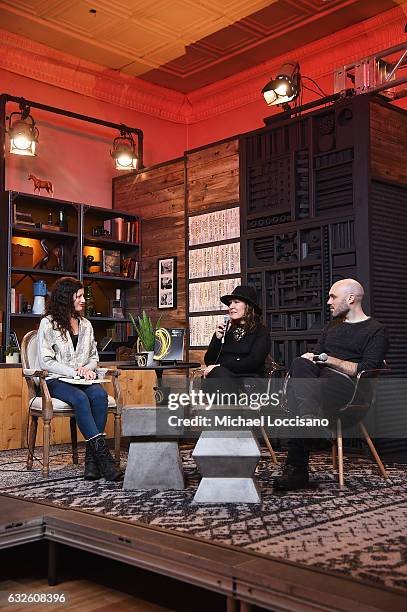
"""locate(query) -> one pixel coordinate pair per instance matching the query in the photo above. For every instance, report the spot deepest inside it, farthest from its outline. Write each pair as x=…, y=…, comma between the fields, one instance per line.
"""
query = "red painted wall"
x=75, y=155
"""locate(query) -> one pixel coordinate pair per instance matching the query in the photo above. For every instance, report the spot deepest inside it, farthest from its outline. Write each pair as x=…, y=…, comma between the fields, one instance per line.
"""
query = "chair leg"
x=373, y=451
x=340, y=453
x=47, y=440
x=31, y=441
x=117, y=432
x=74, y=438
x=334, y=455
x=268, y=444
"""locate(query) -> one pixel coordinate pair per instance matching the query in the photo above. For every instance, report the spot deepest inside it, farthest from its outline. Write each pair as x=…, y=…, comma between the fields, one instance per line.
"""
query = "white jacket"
x=58, y=356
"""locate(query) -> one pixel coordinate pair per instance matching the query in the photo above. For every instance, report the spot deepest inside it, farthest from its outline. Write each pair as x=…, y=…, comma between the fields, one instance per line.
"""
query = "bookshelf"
x=213, y=269
x=45, y=238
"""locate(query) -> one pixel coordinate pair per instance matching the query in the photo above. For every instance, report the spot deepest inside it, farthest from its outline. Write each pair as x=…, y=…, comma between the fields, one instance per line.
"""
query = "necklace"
x=238, y=333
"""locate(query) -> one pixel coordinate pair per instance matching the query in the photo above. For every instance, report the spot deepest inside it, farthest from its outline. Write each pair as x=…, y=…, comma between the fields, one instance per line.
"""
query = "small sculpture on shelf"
x=58, y=252
x=43, y=262
x=41, y=184
x=89, y=262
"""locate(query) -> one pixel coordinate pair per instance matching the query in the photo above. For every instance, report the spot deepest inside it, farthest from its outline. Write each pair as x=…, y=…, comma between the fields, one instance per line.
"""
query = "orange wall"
x=73, y=154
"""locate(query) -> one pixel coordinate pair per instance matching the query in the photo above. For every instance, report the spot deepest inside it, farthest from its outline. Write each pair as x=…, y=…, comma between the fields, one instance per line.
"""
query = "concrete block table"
x=153, y=464
x=227, y=460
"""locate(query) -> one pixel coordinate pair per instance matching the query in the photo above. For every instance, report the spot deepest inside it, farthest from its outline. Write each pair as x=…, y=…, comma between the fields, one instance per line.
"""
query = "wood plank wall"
x=163, y=195
x=388, y=137
x=157, y=195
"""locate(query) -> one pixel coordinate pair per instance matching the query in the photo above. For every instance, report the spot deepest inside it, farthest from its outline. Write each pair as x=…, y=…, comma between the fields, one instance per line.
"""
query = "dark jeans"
x=88, y=401
x=314, y=390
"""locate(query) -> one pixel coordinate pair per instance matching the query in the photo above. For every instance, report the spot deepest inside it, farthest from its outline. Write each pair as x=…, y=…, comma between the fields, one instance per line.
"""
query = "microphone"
x=226, y=323
x=321, y=358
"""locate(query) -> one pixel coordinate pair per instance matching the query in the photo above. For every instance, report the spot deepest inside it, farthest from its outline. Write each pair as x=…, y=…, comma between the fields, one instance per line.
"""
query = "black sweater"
x=364, y=343
x=242, y=357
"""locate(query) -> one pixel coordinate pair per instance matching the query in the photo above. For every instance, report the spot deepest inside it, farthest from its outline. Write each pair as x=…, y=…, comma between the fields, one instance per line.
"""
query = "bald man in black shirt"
x=353, y=342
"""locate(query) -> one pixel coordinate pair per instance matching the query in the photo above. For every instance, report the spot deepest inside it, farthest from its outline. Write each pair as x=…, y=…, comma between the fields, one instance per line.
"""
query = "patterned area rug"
x=360, y=531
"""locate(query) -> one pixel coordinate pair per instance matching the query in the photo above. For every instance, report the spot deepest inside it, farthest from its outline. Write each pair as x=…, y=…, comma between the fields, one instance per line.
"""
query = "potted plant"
x=12, y=354
x=146, y=332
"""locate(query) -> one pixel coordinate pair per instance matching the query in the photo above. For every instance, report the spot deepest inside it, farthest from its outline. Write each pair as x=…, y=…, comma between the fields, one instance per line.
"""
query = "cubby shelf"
x=80, y=221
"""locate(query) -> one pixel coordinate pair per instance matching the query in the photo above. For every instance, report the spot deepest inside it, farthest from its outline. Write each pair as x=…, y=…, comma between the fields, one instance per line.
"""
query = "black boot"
x=293, y=477
x=104, y=459
x=295, y=470
x=92, y=471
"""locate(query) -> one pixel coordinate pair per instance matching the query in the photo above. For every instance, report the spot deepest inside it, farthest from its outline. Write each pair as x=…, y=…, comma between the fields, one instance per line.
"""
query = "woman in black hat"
x=241, y=349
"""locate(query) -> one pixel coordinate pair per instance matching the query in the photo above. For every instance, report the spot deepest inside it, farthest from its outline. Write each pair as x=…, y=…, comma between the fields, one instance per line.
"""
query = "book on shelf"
x=119, y=332
x=125, y=231
x=12, y=300
x=129, y=267
x=25, y=224
x=51, y=228
x=21, y=216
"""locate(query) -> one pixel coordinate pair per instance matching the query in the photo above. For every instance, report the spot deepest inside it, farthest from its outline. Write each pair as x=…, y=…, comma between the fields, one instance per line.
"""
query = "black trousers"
x=222, y=380
x=318, y=391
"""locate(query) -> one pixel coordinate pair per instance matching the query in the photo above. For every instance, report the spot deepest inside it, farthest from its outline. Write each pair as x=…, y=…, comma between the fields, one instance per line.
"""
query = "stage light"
x=124, y=151
x=285, y=87
x=22, y=131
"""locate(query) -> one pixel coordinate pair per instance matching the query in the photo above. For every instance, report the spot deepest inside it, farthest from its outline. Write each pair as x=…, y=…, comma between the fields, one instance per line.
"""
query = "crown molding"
x=36, y=61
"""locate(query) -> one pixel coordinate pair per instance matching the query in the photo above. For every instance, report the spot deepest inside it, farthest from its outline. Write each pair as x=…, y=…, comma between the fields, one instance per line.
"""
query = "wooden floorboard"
x=248, y=576
x=81, y=594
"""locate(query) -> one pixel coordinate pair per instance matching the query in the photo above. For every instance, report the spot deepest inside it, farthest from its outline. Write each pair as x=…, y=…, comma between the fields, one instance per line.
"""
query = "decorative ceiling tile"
x=229, y=39
x=182, y=44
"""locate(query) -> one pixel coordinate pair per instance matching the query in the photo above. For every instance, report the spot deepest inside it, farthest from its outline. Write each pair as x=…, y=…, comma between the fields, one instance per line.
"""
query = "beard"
x=340, y=311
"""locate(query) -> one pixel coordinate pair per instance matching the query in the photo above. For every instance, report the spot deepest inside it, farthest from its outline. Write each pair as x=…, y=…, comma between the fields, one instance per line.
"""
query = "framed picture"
x=167, y=283
x=111, y=262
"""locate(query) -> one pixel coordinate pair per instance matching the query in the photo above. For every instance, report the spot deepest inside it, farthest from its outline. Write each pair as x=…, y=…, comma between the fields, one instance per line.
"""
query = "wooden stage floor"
x=245, y=578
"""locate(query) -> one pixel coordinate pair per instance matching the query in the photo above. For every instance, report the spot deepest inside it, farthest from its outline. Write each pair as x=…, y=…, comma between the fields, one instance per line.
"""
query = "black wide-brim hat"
x=244, y=293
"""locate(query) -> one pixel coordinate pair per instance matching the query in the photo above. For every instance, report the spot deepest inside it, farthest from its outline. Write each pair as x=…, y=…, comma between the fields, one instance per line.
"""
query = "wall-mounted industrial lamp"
x=124, y=150
x=22, y=131
x=285, y=87
x=23, y=134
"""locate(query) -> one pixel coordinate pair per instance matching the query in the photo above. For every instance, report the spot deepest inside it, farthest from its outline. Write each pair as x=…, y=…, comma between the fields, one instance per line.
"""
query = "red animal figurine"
x=40, y=184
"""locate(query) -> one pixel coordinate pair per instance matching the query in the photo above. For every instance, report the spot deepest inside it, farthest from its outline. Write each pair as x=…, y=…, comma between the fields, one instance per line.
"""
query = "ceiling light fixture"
x=285, y=87
x=23, y=132
x=124, y=150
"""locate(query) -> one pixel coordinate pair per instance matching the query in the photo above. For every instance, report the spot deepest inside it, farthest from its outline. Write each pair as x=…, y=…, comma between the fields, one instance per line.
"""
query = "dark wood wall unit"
x=324, y=197
x=157, y=194
x=297, y=227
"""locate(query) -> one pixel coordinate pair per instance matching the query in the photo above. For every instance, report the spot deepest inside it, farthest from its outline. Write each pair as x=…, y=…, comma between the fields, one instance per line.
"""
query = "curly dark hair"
x=60, y=305
x=251, y=320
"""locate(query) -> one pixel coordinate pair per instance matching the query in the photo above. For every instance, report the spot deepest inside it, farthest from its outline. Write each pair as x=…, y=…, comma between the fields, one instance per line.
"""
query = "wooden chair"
x=272, y=368
x=362, y=401
x=42, y=405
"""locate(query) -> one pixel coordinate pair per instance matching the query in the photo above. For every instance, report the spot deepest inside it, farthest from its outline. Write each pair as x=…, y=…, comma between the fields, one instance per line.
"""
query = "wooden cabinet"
x=137, y=389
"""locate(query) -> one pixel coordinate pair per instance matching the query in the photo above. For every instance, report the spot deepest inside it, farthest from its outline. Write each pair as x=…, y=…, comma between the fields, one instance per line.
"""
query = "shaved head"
x=349, y=286
x=344, y=296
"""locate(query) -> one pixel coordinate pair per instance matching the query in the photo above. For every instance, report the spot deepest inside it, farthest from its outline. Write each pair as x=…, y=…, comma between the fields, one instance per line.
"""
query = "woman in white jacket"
x=67, y=348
